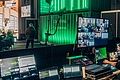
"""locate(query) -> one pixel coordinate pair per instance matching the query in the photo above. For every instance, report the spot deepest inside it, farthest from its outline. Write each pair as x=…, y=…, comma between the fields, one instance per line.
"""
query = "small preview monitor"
x=26, y=60
x=101, y=53
x=8, y=65
x=15, y=64
x=26, y=11
x=25, y=63
x=92, y=32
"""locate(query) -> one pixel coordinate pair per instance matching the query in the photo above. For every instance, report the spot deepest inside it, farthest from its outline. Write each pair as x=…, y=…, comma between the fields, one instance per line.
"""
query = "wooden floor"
x=22, y=44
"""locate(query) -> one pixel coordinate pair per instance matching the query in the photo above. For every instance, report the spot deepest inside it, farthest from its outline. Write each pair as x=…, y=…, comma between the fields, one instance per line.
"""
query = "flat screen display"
x=26, y=11
x=92, y=32
x=8, y=65
x=101, y=53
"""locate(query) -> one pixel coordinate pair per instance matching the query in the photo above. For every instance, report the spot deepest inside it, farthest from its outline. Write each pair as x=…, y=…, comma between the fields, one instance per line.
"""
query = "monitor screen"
x=26, y=60
x=92, y=32
x=26, y=11
x=8, y=65
x=101, y=53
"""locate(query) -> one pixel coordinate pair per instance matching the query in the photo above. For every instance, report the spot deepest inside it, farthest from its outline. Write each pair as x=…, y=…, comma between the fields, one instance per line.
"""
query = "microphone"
x=61, y=11
x=49, y=1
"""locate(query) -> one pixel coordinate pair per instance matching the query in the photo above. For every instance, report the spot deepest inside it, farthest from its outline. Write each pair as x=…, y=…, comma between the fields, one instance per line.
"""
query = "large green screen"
x=70, y=5
x=66, y=30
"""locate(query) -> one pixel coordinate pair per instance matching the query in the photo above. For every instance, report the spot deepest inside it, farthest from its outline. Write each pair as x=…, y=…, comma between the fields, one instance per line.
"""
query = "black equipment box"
x=97, y=71
x=83, y=61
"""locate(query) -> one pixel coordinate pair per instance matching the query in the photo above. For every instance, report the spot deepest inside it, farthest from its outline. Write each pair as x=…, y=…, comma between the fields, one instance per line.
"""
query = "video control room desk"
x=110, y=77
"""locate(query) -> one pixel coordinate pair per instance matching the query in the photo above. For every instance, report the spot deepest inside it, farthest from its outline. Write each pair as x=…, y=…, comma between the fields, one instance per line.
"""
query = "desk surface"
x=110, y=76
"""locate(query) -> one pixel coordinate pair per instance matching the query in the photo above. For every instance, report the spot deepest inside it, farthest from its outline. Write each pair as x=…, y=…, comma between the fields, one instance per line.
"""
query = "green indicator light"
x=56, y=5
x=74, y=57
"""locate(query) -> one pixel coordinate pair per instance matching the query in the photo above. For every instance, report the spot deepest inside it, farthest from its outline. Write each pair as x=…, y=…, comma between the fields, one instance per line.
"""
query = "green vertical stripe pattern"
x=66, y=30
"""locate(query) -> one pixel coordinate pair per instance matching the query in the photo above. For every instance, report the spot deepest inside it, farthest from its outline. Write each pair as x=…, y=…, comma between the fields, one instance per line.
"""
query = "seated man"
x=9, y=39
x=109, y=62
x=113, y=58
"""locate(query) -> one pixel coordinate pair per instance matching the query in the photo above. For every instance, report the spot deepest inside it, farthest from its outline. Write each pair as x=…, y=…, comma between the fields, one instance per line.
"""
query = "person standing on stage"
x=30, y=35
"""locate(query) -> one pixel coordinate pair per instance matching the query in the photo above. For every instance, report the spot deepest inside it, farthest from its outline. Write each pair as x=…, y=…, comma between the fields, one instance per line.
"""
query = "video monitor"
x=101, y=53
x=92, y=32
x=25, y=62
x=16, y=64
x=7, y=66
x=26, y=11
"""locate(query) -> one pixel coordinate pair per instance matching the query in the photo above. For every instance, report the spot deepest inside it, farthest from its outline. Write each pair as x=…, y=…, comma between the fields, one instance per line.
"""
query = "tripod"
x=47, y=34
